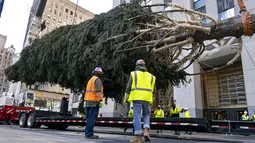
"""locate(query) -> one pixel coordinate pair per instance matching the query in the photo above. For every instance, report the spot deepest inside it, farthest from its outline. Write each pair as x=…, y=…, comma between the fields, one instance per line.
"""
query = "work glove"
x=101, y=104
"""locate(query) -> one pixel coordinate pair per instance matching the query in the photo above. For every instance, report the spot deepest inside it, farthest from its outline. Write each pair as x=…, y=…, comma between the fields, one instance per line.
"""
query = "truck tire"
x=31, y=121
x=23, y=120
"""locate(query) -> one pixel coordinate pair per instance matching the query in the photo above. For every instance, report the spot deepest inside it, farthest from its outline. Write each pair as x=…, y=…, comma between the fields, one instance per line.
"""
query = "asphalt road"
x=10, y=134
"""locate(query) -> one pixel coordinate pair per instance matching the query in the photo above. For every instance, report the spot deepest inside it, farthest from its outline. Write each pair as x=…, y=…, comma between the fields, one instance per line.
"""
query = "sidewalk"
x=169, y=134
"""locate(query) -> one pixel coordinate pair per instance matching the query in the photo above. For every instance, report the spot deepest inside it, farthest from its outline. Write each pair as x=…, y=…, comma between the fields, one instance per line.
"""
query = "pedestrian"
x=175, y=113
x=186, y=115
x=93, y=98
x=245, y=116
x=159, y=113
x=140, y=90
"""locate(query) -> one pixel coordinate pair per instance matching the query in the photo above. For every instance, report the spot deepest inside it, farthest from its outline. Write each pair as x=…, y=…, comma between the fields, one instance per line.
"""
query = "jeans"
x=91, y=117
x=138, y=106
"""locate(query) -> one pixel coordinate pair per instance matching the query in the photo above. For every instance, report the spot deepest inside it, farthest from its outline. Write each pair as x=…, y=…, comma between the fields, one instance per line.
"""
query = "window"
x=60, y=13
x=61, y=8
x=56, y=6
x=54, y=18
x=225, y=87
x=224, y=5
x=59, y=20
x=66, y=16
x=66, y=10
x=71, y=12
x=48, y=16
x=55, y=12
x=226, y=9
x=50, y=10
x=51, y=4
x=227, y=14
x=198, y=4
x=80, y=17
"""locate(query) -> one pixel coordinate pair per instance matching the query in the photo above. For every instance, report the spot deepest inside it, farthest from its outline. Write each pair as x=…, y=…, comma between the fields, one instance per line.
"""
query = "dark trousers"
x=91, y=117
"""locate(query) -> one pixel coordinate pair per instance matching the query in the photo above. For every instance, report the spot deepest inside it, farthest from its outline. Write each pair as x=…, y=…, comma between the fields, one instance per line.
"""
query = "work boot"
x=137, y=139
x=146, y=135
x=92, y=137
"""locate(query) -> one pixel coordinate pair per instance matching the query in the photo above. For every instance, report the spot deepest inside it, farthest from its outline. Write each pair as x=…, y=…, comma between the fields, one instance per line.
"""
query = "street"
x=14, y=134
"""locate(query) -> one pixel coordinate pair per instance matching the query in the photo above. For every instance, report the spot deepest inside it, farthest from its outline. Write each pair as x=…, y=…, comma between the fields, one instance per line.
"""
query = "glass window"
x=60, y=13
x=224, y=5
x=55, y=12
x=56, y=6
x=66, y=10
x=66, y=16
x=71, y=12
x=50, y=10
x=199, y=3
x=223, y=88
x=227, y=14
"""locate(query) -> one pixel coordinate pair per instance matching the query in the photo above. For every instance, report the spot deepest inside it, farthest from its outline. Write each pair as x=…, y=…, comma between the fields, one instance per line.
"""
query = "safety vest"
x=142, y=86
x=254, y=118
x=175, y=112
x=245, y=117
x=130, y=113
x=91, y=94
x=159, y=113
x=186, y=114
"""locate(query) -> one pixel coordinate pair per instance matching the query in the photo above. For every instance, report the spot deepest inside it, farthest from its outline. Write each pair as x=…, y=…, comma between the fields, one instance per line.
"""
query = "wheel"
x=31, y=121
x=23, y=121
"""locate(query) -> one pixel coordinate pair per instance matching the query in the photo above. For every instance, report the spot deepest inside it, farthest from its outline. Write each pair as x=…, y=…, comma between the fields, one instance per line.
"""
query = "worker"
x=139, y=91
x=93, y=98
x=130, y=115
x=186, y=115
x=159, y=113
x=175, y=113
x=245, y=116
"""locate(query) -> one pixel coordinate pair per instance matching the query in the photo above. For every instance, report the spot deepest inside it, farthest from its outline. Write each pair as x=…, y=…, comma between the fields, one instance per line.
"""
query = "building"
x=227, y=93
x=45, y=16
x=6, y=55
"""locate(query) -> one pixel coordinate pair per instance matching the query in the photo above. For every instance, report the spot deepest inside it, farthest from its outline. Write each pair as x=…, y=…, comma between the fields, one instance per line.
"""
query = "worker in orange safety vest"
x=93, y=98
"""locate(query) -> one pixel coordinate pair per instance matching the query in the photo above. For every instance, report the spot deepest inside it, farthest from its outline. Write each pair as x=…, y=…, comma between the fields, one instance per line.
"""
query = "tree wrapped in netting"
x=115, y=40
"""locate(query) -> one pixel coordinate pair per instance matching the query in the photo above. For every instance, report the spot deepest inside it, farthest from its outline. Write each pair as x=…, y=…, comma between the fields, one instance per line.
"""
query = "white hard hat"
x=245, y=112
x=185, y=108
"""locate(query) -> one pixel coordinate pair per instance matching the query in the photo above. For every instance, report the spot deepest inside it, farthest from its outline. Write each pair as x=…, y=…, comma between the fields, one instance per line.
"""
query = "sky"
x=14, y=18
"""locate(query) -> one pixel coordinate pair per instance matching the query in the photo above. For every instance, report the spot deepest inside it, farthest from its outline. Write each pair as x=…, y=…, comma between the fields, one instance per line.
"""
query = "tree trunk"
x=225, y=28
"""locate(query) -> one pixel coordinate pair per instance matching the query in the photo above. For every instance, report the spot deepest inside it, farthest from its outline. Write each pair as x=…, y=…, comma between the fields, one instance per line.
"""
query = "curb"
x=173, y=137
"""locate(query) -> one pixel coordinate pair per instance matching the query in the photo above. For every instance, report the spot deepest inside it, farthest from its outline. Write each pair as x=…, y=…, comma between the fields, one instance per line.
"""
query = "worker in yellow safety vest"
x=186, y=115
x=175, y=113
x=245, y=116
x=253, y=117
x=140, y=90
x=159, y=113
x=92, y=100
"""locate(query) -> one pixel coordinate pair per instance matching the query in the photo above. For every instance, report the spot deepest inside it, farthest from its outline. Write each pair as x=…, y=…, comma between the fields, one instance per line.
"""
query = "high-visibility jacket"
x=159, y=113
x=244, y=117
x=91, y=94
x=175, y=112
x=130, y=113
x=254, y=118
x=186, y=114
x=142, y=87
